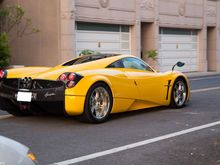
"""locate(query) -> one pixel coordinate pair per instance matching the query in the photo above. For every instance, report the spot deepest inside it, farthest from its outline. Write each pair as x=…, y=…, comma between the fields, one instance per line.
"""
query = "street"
x=60, y=140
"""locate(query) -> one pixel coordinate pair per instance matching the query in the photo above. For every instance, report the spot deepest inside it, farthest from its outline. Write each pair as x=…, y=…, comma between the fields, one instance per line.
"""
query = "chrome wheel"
x=179, y=93
x=99, y=103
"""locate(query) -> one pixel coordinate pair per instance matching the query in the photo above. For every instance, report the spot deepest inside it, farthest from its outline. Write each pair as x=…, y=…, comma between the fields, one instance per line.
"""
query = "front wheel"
x=98, y=103
x=179, y=94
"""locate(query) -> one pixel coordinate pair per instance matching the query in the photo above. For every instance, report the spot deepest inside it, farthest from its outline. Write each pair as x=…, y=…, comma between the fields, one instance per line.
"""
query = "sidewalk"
x=201, y=74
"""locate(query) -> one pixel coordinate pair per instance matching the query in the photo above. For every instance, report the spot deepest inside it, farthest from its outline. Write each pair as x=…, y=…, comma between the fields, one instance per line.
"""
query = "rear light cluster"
x=70, y=79
x=3, y=74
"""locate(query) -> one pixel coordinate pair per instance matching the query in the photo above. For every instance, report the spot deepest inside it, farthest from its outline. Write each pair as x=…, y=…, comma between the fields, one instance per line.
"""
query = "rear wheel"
x=179, y=94
x=98, y=103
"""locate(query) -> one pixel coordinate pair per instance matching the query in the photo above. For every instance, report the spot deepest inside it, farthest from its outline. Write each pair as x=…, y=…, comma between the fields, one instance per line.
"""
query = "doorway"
x=211, y=48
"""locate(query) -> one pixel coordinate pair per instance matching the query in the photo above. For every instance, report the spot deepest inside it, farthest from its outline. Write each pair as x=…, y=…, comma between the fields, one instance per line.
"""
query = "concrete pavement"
x=56, y=138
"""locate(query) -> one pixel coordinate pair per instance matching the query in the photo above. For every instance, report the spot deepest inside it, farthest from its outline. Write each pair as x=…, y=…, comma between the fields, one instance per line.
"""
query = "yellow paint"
x=32, y=156
x=74, y=105
x=121, y=105
x=131, y=89
x=139, y=104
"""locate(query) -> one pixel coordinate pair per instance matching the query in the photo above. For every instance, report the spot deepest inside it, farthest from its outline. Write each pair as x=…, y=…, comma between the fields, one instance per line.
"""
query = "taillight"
x=70, y=79
x=71, y=76
x=62, y=77
x=3, y=73
x=70, y=84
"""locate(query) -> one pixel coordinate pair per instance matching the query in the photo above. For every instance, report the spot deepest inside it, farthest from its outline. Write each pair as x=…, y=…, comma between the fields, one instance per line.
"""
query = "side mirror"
x=179, y=64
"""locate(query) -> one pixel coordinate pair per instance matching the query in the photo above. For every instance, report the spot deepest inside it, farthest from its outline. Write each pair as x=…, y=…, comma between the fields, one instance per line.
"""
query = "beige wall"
x=56, y=20
x=117, y=11
x=67, y=30
x=181, y=13
x=149, y=41
x=41, y=48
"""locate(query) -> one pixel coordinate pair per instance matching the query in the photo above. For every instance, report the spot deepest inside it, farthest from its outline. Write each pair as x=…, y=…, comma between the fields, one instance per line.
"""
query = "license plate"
x=24, y=96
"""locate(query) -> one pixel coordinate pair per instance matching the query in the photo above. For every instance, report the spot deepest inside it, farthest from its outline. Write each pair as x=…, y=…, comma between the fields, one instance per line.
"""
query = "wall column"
x=218, y=38
x=67, y=30
x=136, y=32
x=202, y=55
x=212, y=48
x=202, y=35
x=150, y=37
x=149, y=41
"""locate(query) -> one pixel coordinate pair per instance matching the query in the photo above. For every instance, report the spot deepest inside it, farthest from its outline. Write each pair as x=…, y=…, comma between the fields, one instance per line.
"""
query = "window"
x=88, y=58
x=174, y=31
x=131, y=63
x=101, y=27
x=117, y=64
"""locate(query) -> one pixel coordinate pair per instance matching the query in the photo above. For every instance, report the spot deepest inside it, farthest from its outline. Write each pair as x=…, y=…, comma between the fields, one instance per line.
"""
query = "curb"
x=201, y=74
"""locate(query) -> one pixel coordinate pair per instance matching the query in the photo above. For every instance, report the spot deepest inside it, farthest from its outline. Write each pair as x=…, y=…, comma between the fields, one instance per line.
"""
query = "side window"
x=134, y=63
x=117, y=64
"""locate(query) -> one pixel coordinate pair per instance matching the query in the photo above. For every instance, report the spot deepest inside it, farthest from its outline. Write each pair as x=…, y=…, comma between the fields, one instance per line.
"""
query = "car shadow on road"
x=129, y=114
x=79, y=120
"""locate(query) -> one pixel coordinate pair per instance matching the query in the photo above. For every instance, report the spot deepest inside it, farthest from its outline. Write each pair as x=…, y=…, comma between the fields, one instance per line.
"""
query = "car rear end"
x=27, y=94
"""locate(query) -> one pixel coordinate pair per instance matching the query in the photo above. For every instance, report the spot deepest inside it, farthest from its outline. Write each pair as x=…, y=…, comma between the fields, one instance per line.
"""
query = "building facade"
x=179, y=30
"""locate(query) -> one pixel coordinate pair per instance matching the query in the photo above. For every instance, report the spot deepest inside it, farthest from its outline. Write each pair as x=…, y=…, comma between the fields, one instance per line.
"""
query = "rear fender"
x=24, y=71
x=85, y=83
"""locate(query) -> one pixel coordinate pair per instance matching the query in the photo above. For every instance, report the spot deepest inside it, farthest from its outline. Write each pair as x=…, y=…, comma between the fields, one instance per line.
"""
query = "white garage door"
x=178, y=45
x=104, y=38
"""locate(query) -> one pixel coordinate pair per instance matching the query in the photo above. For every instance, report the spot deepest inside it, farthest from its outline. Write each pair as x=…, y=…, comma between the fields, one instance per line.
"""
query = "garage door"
x=104, y=38
x=178, y=45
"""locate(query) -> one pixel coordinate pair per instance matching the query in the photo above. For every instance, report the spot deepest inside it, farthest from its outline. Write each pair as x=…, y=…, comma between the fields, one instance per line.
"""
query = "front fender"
x=173, y=76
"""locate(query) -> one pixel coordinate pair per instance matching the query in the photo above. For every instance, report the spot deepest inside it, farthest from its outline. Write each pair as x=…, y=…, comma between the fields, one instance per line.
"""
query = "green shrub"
x=152, y=54
x=88, y=52
x=4, y=51
x=12, y=17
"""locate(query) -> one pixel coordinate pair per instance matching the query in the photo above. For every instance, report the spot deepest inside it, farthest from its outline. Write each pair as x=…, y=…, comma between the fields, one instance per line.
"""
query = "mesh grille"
x=32, y=84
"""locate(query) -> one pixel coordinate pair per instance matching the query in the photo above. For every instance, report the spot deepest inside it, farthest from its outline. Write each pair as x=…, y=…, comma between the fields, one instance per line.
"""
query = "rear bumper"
x=46, y=95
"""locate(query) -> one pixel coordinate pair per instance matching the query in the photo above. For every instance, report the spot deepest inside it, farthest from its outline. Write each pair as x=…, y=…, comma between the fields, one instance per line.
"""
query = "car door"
x=151, y=85
x=124, y=86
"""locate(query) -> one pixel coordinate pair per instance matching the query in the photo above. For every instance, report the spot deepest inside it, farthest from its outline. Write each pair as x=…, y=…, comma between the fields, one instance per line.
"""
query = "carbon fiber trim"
x=46, y=95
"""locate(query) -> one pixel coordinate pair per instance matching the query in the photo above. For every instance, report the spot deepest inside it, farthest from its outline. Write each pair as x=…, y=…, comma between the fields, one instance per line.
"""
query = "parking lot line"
x=204, y=89
x=135, y=145
x=5, y=116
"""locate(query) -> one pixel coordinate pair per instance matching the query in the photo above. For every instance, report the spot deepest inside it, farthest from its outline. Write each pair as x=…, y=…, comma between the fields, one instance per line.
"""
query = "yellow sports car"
x=92, y=87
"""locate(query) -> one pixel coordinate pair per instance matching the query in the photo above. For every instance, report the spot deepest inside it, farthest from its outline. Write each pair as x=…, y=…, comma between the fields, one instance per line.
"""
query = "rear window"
x=85, y=59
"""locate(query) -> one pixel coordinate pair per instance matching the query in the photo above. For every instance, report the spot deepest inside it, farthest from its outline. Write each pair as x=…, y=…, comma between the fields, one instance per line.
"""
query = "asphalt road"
x=55, y=138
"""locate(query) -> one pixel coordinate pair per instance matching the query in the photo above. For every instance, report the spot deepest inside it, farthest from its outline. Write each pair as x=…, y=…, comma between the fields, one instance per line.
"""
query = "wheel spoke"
x=180, y=93
x=176, y=99
x=99, y=102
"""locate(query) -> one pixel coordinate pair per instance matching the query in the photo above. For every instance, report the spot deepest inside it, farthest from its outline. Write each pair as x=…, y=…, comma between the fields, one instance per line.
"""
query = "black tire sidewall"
x=173, y=103
x=87, y=114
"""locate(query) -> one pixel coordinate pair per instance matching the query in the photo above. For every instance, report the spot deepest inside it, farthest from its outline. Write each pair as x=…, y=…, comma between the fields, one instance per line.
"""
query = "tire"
x=98, y=103
x=179, y=93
